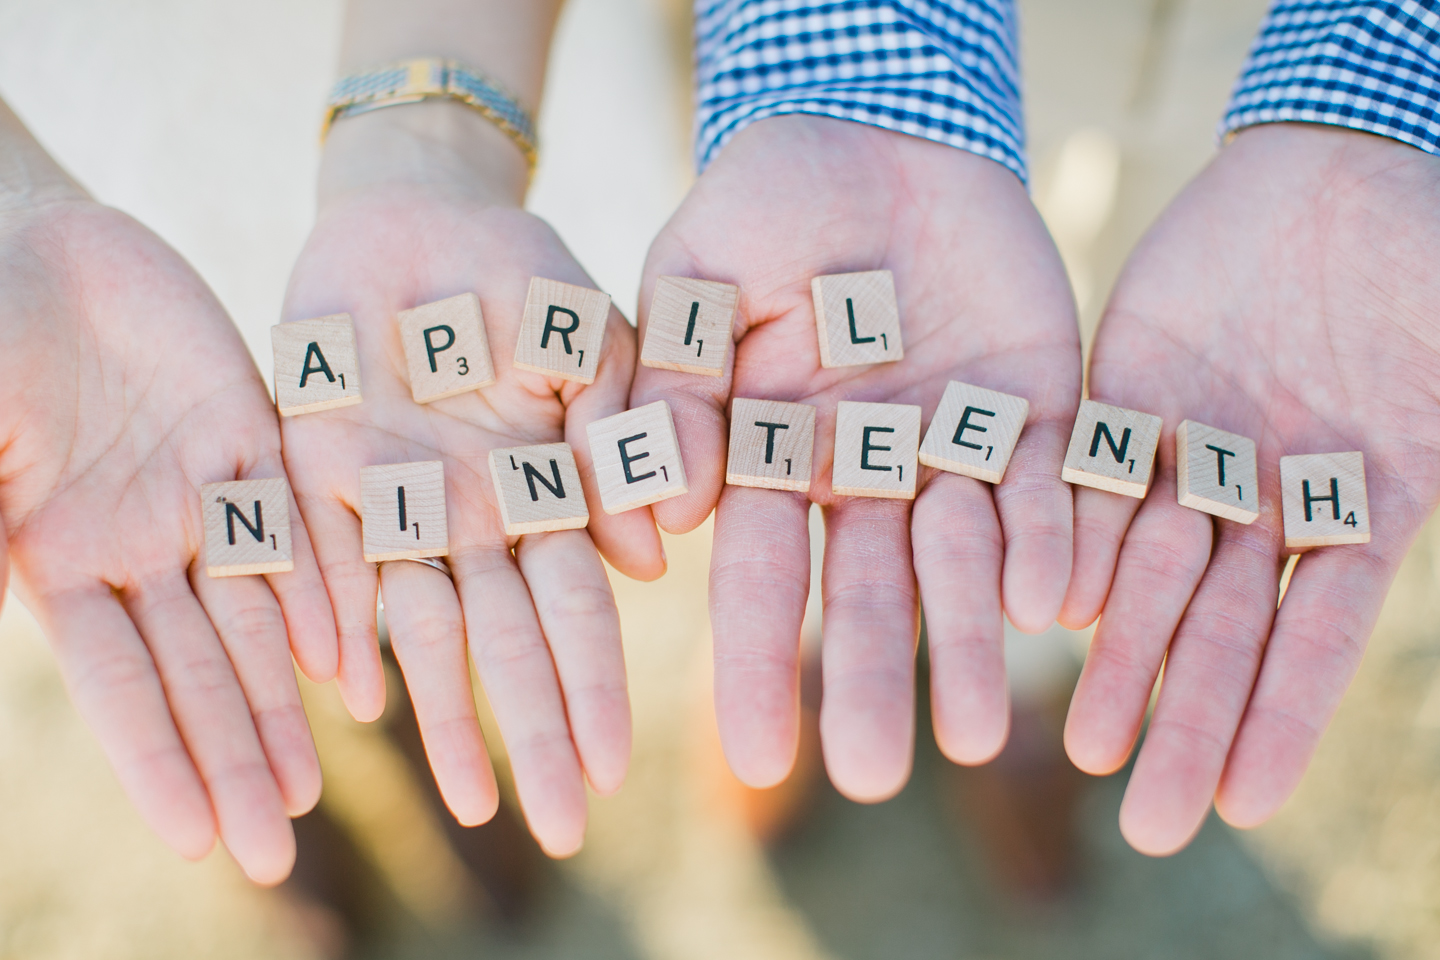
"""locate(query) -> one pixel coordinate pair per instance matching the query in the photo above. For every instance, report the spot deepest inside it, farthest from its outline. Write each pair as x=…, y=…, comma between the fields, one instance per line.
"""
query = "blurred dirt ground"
x=1122, y=97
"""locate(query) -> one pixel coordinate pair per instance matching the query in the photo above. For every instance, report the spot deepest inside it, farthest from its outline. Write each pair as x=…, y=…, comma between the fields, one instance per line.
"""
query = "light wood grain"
x=1112, y=449
x=538, y=488
x=1216, y=473
x=316, y=365
x=974, y=431
x=637, y=458
x=417, y=489
x=1339, y=507
x=446, y=349
x=869, y=297
x=876, y=447
x=688, y=328
x=562, y=330
x=247, y=527
x=771, y=444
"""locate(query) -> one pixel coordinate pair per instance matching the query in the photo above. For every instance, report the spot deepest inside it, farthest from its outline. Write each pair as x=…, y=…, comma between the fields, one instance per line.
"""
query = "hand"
x=541, y=622
x=983, y=299
x=1290, y=294
x=123, y=388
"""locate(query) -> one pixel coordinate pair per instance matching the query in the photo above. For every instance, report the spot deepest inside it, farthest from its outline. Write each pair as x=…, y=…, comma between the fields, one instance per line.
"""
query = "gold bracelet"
x=430, y=78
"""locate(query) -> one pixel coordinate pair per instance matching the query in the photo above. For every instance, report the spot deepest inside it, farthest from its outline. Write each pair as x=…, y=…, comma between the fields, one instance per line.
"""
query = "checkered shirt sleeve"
x=944, y=71
x=1372, y=66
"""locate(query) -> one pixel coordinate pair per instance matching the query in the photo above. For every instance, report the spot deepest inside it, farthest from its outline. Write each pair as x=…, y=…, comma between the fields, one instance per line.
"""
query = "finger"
x=1320, y=632
x=1101, y=519
x=582, y=626
x=519, y=679
x=116, y=689
x=1209, y=673
x=958, y=551
x=698, y=405
x=1160, y=565
x=252, y=629
x=867, y=717
x=1037, y=515
x=214, y=721
x=351, y=584
x=427, y=633
x=759, y=581
x=628, y=540
x=309, y=619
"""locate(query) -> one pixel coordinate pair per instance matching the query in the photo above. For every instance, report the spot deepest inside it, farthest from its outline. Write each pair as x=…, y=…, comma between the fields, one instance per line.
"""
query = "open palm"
x=1291, y=295
x=983, y=299
x=540, y=622
x=124, y=387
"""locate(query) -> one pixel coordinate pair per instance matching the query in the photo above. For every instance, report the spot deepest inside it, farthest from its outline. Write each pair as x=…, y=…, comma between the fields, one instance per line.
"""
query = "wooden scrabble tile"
x=247, y=527
x=858, y=318
x=562, y=330
x=446, y=348
x=875, y=450
x=1216, y=472
x=771, y=444
x=402, y=511
x=1112, y=449
x=974, y=432
x=538, y=488
x=1323, y=499
x=689, y=325
x=637, y=458
x=316, y=364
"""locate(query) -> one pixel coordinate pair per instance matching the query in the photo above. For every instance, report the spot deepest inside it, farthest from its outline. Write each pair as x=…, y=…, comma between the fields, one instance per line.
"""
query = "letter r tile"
x=562, y=330
x=637, y=458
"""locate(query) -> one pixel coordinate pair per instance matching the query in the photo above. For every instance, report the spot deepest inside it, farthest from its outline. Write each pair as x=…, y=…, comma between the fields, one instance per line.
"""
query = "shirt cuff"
x=1370, y=66
x=946, y=72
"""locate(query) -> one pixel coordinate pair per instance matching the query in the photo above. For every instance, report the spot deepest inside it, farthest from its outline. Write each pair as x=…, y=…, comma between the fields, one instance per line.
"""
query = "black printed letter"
x=314, y=351
x=430, y=347
x=866, y=446
x=770, y=429
x=627, y=458
x=1334, y=497
x=563, y=331
x=531, y=475
x=232, y=513
x=965, y=424
x=1102, y=429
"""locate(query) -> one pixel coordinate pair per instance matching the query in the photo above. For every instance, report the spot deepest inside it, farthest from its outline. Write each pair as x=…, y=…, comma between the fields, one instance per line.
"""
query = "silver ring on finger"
x=437, y=562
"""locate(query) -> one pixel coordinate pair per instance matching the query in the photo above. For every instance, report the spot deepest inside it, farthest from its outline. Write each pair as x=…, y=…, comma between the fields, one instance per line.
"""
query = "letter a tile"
x=316, y=365
x=875, y=450
x=637, y=458
x=857, y=318
x=402, y=511
x=538, y=488
x=247, y=527
x=1215, y=472
x=974, y=432
x=562, y=330
x=1112, y=449
x=1323, y=499
x=446, y=348
x=771, y=444
x=689, y=325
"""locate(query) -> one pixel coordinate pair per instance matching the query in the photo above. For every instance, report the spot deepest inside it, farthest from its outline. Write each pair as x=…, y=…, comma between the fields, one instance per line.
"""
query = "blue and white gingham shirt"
x=945, y=71
x=1372, y=66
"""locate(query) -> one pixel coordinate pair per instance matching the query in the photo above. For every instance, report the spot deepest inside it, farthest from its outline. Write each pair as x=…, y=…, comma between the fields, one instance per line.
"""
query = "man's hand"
x=123, y=388
x=540, y=621
x=1291, y=294
x=984, y=300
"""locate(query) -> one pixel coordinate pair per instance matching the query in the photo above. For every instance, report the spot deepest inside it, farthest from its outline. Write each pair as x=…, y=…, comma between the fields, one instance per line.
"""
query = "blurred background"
x=200, y=117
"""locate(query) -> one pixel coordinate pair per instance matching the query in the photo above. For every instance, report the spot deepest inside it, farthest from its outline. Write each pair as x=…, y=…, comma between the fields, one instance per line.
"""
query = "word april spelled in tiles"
x=1323, y=499
x=247, y=527
x=875, y=450
x=1216, y=472
x=316, y=365
x=538, y=488
x=689, y=324
x=637, y=458
x=402, y=511
x=446, y=350
x=857, y=318
x=771, y=444
x=1112, y=449
x=974, y=432
x=562, y=330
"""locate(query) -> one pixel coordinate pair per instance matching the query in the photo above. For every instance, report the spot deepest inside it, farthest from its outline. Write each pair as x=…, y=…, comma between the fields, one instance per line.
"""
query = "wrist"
x=435, y=144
